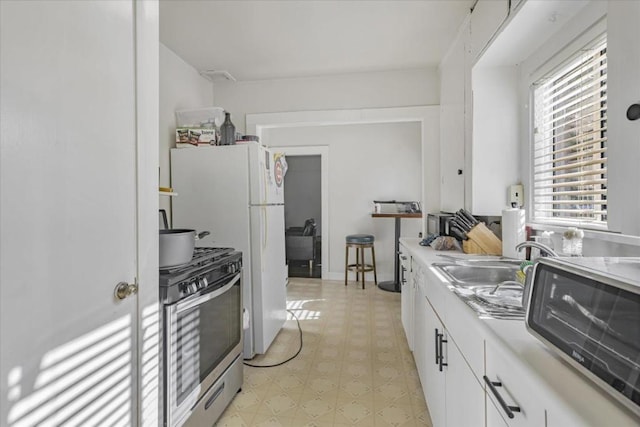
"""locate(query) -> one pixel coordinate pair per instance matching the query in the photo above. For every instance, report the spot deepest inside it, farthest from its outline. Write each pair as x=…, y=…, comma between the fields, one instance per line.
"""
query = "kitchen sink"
x=475, y=274
x=475, y=281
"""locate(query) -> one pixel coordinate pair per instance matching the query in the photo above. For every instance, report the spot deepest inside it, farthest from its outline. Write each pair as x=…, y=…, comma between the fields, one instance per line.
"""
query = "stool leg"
x=373, y=255
x=357, y=263
x=346, y=263
x=363, y=265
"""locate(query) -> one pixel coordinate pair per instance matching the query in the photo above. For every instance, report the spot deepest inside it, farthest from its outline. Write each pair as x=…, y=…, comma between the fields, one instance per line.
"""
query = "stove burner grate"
x=200, y=256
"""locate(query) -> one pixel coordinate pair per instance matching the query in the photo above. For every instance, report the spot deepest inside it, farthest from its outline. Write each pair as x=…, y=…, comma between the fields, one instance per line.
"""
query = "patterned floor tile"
x=356, y=412
x=355, y=367
x=395, y=415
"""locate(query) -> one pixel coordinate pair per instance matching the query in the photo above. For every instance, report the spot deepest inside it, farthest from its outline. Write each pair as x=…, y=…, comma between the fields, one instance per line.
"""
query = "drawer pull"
x=509, y=410
x=436, y=347
x=214, y=397
x=441, y=363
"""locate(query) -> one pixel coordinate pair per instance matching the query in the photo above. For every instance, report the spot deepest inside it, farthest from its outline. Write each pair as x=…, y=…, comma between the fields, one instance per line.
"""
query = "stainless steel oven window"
x=202, y=331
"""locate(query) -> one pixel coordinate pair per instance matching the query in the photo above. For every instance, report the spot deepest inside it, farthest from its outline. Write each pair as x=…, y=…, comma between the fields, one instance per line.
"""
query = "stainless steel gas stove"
x=202, y=336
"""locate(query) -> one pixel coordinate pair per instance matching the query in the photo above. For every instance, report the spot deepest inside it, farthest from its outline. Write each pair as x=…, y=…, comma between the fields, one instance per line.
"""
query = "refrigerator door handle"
x=264, y=228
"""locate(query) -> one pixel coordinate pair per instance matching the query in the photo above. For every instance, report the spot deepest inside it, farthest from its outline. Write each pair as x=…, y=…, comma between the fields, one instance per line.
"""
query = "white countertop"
x=566, y=384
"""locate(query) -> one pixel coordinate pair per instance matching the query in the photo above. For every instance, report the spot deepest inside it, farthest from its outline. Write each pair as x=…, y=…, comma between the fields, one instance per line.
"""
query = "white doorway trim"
x=323, y=152
x=428, y=116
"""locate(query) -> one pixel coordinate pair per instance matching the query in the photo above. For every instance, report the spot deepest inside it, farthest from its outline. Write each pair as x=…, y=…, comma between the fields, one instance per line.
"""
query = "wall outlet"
x=516, y=195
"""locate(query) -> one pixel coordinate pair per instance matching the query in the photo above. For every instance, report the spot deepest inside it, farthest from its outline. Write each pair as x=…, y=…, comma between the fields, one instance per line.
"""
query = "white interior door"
x=67, y=213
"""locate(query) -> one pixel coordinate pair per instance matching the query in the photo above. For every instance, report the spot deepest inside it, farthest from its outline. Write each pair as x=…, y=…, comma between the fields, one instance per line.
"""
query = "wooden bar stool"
x=360, y=242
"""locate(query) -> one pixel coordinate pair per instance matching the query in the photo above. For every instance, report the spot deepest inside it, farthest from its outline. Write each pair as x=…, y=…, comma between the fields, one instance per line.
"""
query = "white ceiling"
x=256, y=40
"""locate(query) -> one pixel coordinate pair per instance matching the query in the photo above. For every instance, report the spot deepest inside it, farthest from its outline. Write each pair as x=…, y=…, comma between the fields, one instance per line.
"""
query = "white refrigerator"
x=237, y=193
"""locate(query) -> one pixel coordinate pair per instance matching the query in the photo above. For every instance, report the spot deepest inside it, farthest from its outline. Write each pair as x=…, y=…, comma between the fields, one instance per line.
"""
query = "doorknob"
x=124, y=290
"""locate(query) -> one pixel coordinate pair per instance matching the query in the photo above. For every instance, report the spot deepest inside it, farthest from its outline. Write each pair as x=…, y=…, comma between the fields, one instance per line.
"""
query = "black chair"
x=301, y=243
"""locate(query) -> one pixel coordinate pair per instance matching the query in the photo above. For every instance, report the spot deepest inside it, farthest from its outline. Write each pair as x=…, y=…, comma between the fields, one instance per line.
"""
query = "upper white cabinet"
x=486, y=18
x=467, y=171
x=454, y=74
x=623, y=90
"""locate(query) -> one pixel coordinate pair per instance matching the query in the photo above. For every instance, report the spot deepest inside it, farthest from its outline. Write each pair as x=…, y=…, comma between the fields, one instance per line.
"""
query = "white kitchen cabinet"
x=407, y=296
x=486, y=18
x=428, y=330
x=516, y=388
x=548, y=392
x=623, y=90
x=464, y=394
x=454, y=71
x=494, y=417
x=454, y=395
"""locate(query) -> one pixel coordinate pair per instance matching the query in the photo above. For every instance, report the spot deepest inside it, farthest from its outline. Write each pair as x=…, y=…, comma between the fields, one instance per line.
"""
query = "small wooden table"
x=394, y=285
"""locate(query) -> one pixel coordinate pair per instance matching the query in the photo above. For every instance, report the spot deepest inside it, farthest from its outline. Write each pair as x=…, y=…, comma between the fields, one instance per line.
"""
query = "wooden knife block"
x=482, y=241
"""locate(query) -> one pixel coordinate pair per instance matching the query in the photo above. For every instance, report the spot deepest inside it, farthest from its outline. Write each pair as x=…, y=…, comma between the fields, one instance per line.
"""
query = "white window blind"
x=569, y=160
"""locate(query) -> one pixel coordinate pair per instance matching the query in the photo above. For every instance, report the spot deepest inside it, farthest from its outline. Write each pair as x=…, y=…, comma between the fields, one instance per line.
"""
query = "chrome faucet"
x=541, y=246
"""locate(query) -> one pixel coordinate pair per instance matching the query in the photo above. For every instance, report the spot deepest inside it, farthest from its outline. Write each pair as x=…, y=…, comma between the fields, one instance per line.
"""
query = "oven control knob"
x=193, y=287
x=202, y=283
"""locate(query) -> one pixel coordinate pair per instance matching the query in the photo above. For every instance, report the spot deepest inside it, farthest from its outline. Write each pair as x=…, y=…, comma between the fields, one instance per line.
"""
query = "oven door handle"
x=201, y=299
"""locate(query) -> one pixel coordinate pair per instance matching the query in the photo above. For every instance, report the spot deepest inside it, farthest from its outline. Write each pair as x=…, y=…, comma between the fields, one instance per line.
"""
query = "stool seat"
x=360, y=242
x=360, y=238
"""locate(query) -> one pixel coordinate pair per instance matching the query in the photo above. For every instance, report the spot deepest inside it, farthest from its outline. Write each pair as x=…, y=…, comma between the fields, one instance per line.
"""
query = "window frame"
x=554, y=65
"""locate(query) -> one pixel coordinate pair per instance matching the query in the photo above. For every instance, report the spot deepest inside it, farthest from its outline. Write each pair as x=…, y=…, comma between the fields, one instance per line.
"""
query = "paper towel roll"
x=513, y=232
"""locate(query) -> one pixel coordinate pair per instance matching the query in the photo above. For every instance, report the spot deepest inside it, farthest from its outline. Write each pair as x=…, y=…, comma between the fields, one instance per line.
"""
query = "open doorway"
x=303, y=215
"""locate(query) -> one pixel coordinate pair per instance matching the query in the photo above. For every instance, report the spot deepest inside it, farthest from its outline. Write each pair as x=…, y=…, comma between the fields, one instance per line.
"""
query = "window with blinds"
x=569, y=160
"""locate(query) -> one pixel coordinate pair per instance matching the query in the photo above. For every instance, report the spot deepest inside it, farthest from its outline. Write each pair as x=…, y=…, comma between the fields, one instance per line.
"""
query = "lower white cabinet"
x=453, y=394
x=428, y=333
x=407, y=296
x=515, y=394
x=494, y=417
x=465, y=394
x=455, y=351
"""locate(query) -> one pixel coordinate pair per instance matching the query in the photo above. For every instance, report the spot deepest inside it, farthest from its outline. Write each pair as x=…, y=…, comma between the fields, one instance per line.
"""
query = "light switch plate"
x=516, y=195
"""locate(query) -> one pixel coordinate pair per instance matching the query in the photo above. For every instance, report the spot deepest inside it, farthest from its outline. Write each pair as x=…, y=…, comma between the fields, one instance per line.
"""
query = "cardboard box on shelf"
x=196, y=136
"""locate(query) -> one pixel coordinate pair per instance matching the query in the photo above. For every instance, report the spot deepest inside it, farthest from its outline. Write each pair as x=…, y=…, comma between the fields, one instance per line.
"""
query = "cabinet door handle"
x=441, y=363
x=509, y=410
x=436, y=346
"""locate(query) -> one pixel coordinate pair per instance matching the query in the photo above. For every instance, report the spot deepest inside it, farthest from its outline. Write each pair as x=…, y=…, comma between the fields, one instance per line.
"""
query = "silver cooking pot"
x=176, y=246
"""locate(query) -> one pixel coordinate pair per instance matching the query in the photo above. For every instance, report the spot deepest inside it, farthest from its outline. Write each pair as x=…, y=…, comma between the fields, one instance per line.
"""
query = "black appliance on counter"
x=202, y=336
x=438, y=223
x=588, y=311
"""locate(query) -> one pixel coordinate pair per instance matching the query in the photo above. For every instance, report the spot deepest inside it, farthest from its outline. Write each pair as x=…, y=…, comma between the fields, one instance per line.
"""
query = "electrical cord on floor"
x=289, y=359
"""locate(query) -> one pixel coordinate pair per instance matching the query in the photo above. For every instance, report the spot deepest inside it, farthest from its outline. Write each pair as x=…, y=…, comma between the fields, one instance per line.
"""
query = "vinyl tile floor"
x=355, y=367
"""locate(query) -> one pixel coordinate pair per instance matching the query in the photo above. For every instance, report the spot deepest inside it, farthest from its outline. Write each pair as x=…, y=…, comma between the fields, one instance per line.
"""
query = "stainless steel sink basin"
x=473, y=275
x=474, y=282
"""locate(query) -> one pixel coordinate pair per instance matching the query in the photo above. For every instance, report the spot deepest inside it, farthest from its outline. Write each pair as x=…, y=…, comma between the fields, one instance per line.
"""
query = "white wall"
x=181, y=87
x=347, y=91
x=302, y=186
x=366, y=162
